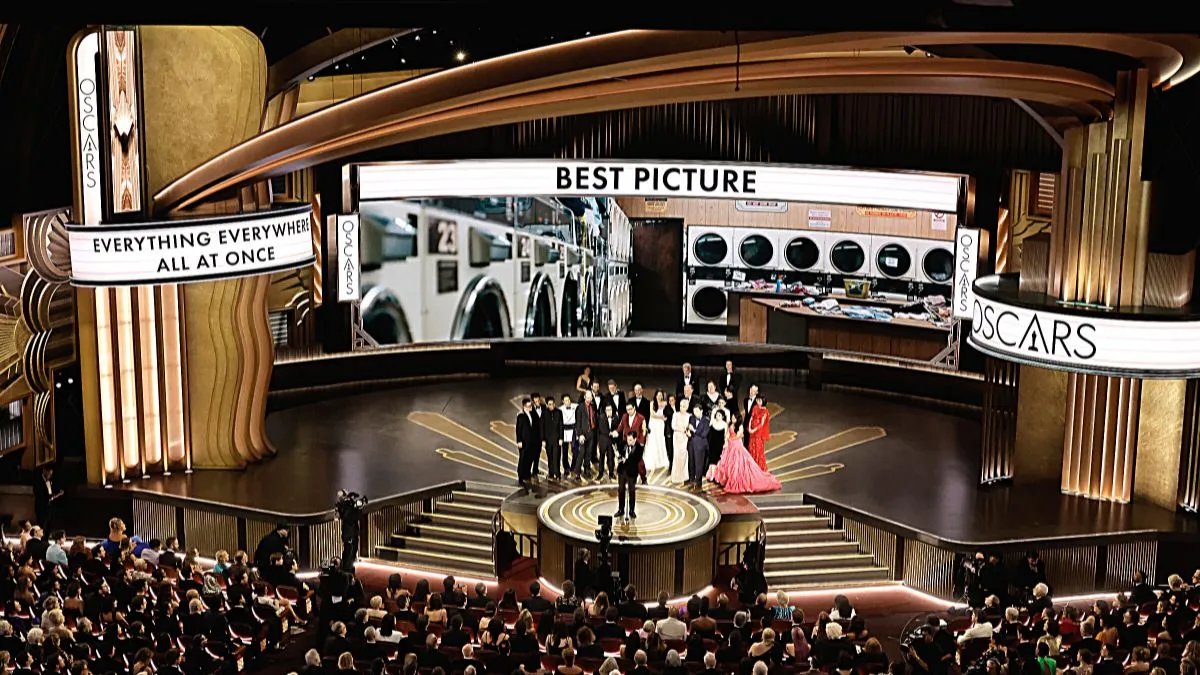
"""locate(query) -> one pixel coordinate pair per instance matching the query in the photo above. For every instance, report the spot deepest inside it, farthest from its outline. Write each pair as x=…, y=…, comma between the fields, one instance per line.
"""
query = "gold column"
x=173, y=376
x=1098, y=257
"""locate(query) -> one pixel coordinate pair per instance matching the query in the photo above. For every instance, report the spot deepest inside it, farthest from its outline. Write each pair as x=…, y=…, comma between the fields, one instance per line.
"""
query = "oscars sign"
x=185, y=250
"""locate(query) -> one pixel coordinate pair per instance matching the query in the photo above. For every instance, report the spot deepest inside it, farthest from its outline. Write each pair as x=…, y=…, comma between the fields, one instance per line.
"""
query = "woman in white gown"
x=679, y=425
x=656, y=439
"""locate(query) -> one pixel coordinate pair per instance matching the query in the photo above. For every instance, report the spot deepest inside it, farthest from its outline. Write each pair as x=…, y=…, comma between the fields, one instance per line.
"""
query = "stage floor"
x=904, y=464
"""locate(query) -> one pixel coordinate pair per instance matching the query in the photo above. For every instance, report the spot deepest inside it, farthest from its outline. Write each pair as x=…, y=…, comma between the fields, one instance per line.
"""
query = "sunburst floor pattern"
x=496, y=451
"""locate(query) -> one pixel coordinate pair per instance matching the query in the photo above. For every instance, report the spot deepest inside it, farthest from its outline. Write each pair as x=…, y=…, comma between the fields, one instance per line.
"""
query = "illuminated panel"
x=170, y=340
x=127, y=376
x=147, y=348
x=123, y=123
x=107, y=380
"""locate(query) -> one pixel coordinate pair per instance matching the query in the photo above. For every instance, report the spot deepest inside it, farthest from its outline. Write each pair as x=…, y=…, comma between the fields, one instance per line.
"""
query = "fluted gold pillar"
x=174, y=376
x=1098, y=258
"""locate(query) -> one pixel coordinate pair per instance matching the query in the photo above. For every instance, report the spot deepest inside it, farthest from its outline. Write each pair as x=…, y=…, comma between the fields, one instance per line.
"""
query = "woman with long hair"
x=655, y=455
x=759, y=430
x=737, y=472
x=583, y=383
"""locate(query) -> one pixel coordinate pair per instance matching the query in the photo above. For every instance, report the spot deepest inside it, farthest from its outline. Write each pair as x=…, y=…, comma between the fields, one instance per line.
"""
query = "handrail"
x=525, y=541
x=311, y=518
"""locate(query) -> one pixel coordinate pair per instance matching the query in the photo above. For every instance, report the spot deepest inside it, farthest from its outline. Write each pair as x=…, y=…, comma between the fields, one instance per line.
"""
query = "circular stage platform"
x=664, y=515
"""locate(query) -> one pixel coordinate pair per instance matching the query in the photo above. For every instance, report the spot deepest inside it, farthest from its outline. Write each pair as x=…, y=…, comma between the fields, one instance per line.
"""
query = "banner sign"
x=203, y=249
x=87, y=133
x=349, y=265
x=756, y=183
x=966, y=268
x=1087, y=344
x=760, y=206
x=885, y=213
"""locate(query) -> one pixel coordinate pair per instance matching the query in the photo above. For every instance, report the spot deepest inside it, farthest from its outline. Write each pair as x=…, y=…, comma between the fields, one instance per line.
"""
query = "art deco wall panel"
x=1160, y=435
x=1041, y=415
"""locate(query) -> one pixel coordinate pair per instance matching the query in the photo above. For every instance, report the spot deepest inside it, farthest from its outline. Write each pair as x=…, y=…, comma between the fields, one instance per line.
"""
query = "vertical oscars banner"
x=349, y=265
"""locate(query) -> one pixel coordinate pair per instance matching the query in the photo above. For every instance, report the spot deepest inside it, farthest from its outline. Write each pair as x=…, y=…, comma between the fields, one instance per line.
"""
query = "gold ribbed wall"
x=999, y=430
x=209, y=531
x=383, y=523
x=1122, y=560
x=152, y=520
x=324, y=541
x=552, y=557
x=698, y=564
x=1041, y=414
x=1160, y=439
x=653, y=571
x=1188, y=495
x=928, y=568
x=1070, y=570
x=1098, y=249
x=881, y=544
x=1101, y=436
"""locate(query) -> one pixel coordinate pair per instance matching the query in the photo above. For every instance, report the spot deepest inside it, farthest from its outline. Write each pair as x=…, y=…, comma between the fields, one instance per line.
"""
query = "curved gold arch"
x=634, y=68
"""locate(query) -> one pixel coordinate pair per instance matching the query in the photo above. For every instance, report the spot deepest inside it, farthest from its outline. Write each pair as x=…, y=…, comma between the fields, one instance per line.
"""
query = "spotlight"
x=460, y=56
x=70, y=380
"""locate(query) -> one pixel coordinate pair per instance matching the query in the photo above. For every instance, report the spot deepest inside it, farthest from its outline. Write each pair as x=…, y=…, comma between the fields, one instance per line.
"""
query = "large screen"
x=559, y=249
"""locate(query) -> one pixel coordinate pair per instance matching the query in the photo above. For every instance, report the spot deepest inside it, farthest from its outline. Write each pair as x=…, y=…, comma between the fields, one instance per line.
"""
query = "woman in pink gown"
x=737, y=472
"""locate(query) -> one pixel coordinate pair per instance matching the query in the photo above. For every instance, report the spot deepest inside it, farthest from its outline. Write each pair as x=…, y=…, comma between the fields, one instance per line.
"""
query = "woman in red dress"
x=759, y=429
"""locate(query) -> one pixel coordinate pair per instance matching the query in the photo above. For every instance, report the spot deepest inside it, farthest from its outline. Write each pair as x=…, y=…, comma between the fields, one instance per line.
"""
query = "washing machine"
x=756, y=248
x=803, y=251
x=486, y=302
x=707, y=302
x=849, y=254
x=710, y=246
x=894, y=257
x=935, y=262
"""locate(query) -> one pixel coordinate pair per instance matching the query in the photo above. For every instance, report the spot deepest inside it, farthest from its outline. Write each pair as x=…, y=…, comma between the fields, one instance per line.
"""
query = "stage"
x=913, y=467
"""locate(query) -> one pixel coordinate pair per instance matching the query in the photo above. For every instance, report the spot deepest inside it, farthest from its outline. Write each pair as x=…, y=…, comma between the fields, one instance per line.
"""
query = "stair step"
x=484, y=487
x=442, y=545
x=787, y=510
x=789, y=579
x=796, y=522
x=476, y=498
x=790, y=536
x=832, y=547
x=777, y=498
x=480, y=523
x=440, y=562
x=467, y=509
x=449, y=531
x=820, y=562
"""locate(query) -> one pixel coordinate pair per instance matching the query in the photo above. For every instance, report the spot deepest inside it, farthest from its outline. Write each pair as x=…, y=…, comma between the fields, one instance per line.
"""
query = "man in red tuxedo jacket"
x=632, y=422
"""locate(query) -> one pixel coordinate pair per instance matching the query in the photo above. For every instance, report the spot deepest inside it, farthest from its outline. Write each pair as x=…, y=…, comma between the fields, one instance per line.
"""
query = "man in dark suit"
x=275, y=541
x=639, y=401
x=627, y=473
x=729, y=379
x=614, y=397
x=539, y=411
x=535, y=603
x=44, y=496
x=697, y=434
x=608, y=438
x=586, y=417
x=1029, y=573
x=745, y=405
x=528, y=441
x=1141, y=593
x=610, y=629
x=631, y=608
x=685, y=378
x=552, y=433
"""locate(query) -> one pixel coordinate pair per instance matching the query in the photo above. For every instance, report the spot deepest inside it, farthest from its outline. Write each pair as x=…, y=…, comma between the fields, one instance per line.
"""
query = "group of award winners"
x=608, y=434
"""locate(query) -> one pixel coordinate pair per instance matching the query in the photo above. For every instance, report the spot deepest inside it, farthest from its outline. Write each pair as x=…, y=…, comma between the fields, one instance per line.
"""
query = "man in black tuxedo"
x=539, y=411
x=627, y=476
x=586, y=418
x=552, y=433
x=729, y=380
x=608, y=438
x=685, y=378
x=614, y=397
x=747, y=403
x=640, y=402
x=44, y=496
x=528, y=441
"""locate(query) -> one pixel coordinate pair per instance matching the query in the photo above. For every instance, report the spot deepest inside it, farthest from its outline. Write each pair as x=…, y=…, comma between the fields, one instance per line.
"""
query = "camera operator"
x=349, y=506
x=971, y=580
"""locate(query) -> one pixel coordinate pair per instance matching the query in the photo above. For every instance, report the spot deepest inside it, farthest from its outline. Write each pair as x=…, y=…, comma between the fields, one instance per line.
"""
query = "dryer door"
x=848, y=257
x=756, y=251
x=938, y=265
x=709, y=302
x=710, y=249
x=893, y=261
x=802, y=254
